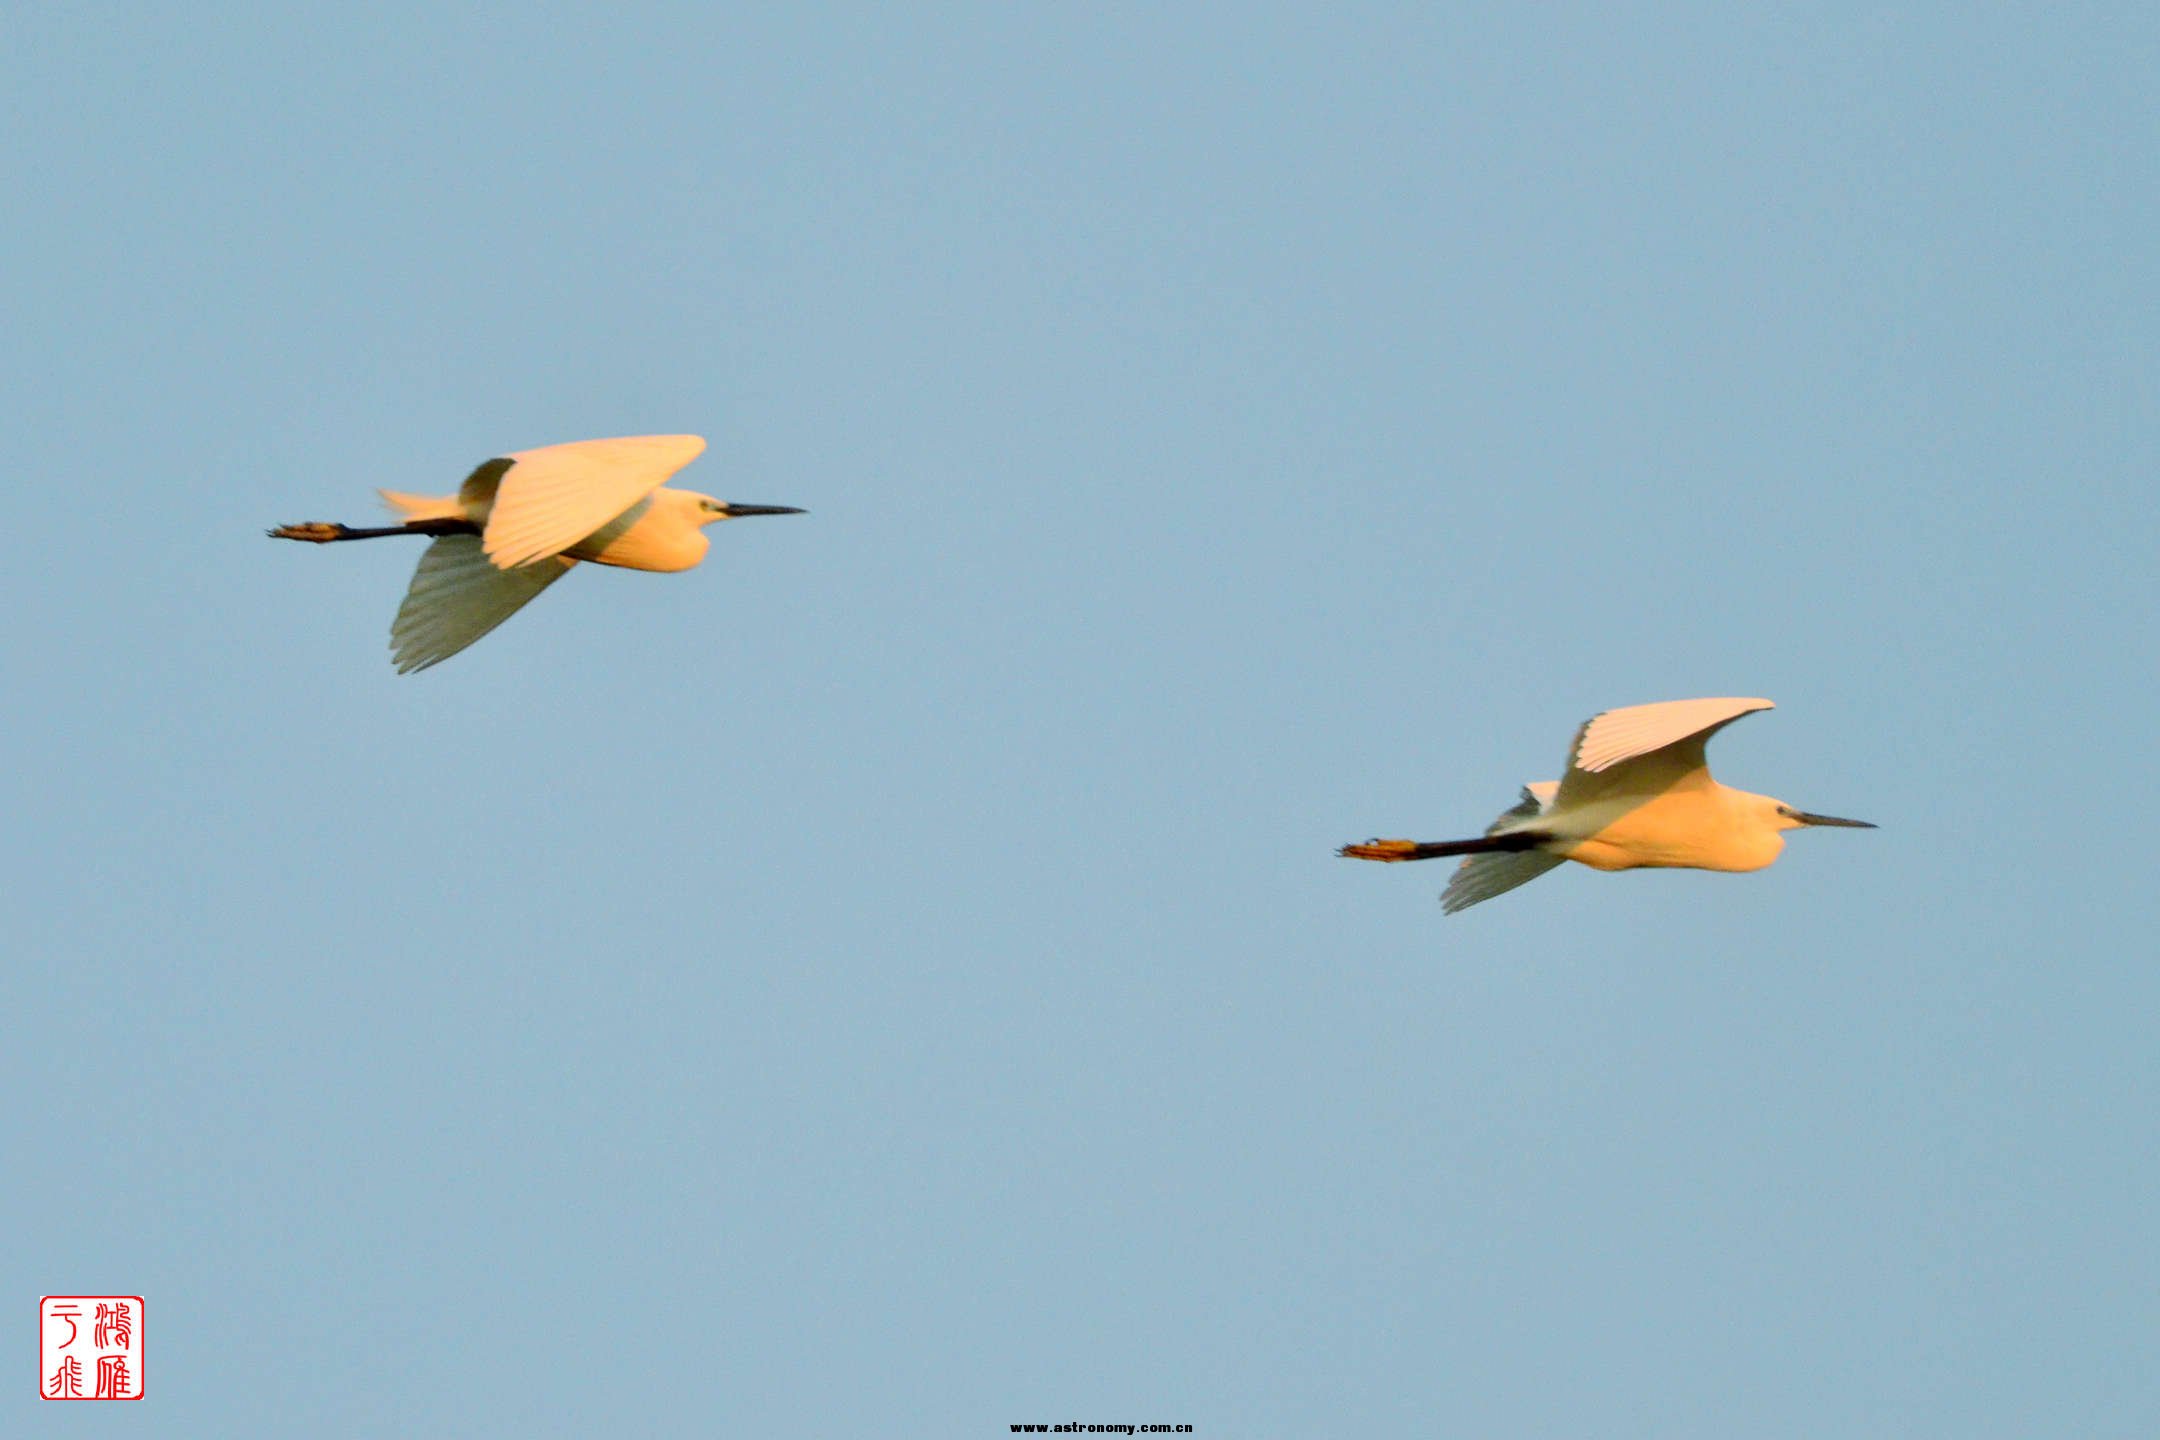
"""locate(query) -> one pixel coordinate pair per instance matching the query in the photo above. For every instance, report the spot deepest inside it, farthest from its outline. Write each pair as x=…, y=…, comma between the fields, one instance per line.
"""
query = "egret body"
x=1637, y=793
x=520, y=522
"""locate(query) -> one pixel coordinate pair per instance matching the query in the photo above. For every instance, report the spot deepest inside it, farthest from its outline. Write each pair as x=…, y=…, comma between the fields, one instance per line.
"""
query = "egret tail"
x=431, y=507
x=1392, y=850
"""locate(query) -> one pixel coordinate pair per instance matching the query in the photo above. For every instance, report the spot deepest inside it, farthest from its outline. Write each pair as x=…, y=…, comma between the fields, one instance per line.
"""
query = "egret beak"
x=1806, y=819
x=736, y=512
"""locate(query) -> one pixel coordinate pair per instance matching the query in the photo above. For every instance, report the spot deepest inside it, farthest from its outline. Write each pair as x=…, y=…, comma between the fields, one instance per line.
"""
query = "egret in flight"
x=519, y=523
x=1637, y=793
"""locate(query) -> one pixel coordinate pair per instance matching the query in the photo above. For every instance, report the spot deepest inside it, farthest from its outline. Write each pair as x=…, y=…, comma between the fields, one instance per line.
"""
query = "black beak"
x=736, y=512
x=1806, y=819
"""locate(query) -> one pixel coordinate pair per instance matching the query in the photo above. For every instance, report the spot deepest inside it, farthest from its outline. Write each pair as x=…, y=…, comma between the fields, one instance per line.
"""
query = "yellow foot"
x=1379, y=850
x=322, y=532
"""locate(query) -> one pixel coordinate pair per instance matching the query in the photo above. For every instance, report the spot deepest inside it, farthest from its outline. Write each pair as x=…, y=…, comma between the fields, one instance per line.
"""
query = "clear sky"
x=895, y=980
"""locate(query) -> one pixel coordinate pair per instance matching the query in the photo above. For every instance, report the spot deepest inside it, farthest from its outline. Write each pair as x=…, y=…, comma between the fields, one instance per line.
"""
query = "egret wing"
x=457, y=595
x=553, y=497
x=486, y=478
x=1480, y=877
x=1647, y=748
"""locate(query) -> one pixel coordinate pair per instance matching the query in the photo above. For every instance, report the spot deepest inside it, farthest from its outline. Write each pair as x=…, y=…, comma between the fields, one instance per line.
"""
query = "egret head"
x=710, y=510
x=1787, y=818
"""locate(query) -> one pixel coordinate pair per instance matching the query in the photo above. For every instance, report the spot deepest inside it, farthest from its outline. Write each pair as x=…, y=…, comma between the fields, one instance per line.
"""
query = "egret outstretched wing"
x=458, y=595
x=553, y=497
x=1643, y=748
x=1480, y=877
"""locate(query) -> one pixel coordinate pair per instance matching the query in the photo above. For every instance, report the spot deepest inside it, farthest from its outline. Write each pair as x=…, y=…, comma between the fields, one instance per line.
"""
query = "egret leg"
x=322, y=532
x=1394, y=850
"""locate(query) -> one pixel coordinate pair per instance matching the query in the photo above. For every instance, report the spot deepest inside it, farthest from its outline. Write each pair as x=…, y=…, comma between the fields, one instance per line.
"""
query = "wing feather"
x=1646, y=747
x=551, y=498
x=1480, y=877
x=457, y=595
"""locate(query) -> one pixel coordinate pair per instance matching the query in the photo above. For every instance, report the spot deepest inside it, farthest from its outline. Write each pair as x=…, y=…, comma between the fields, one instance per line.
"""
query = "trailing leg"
x=323, y=532
x=1394, y=850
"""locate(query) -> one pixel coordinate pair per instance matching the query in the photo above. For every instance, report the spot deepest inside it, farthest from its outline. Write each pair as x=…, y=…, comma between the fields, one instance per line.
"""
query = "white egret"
x=520, y=522
x=1637, y=793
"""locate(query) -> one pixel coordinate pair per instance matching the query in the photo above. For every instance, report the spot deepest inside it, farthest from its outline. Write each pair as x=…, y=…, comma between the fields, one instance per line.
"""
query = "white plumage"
x=1608, y=738
x=519, y=522
x=553, y=497
x=1637, y=793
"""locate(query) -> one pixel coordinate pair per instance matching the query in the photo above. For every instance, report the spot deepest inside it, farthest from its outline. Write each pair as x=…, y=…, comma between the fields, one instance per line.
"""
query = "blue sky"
x=894, y=979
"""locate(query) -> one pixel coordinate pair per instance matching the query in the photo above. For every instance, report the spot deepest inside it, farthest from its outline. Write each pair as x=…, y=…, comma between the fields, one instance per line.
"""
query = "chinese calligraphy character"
x=69, y=1314
x=112, y=1378
x=66, y=1382
x=115, y=1321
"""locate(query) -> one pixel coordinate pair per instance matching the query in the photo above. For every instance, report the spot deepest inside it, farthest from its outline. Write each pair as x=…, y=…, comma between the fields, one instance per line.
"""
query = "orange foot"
x=1380, y=850
x=321, y=532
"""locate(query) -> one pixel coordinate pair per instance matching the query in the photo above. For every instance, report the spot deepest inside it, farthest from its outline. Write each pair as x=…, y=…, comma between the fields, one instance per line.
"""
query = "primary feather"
x=458, y=595
x=1480, y=877
x=1646, y=747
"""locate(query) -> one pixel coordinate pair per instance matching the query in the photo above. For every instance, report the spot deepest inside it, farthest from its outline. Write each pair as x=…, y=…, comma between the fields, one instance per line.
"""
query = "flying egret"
x=1637, y=793
x=518, y=523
